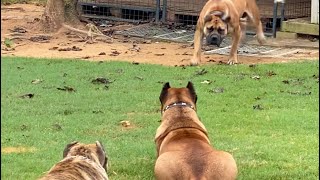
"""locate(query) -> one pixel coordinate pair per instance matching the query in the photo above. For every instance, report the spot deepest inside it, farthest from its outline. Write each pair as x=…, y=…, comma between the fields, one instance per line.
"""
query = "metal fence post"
x=274, y=22
x=164, y=11
x=275, y=15
x=157, y=10
x=282, y=13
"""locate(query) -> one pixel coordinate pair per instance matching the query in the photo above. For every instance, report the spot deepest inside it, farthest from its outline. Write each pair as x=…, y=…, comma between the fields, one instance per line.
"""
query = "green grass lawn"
x=266, y=115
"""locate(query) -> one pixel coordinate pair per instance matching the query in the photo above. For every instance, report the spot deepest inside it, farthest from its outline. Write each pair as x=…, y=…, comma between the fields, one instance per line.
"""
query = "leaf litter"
x=67, y=88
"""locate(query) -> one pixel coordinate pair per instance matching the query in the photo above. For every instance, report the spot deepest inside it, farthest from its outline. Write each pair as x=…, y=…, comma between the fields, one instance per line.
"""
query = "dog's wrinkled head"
x=94, y=152
x=171, y=95
x=215, y=27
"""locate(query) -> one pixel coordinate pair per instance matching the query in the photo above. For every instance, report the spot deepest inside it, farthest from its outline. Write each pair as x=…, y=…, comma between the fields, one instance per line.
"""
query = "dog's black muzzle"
x=214, y=39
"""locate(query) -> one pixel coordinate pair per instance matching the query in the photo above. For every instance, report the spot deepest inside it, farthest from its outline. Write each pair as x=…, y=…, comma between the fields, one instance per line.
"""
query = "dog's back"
x=193, y=158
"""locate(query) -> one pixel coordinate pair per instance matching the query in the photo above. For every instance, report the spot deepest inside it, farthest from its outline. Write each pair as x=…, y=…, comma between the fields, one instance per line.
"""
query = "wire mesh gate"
x=121, y=10
x=164, y=32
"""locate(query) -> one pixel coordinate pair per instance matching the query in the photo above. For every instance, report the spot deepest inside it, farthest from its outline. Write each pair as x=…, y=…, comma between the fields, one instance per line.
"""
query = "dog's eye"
x=210, y=29
x=220, y=31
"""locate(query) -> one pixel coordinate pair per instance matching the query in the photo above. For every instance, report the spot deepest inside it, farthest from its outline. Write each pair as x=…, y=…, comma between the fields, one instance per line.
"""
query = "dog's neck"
x=82, y=158
x=184, y=114
x=178, y=119
x=79, y=157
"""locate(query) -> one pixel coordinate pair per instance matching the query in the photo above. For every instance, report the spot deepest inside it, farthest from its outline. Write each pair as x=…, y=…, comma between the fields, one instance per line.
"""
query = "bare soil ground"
x=20, y=22
x=9, y=150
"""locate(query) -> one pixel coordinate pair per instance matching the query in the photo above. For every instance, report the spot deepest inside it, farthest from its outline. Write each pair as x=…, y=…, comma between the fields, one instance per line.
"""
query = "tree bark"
x=59, y=12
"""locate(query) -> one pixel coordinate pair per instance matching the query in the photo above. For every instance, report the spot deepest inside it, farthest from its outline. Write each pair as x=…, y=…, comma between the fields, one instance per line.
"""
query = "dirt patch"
x=10, y=150
x=20, y=22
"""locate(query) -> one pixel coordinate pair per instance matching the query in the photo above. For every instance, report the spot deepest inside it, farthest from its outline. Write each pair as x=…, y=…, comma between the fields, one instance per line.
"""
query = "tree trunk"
x=59, y=12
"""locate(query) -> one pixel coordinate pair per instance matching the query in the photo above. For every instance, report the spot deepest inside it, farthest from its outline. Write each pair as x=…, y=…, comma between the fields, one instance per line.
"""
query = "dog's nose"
x=218, y=42
x=214, y=40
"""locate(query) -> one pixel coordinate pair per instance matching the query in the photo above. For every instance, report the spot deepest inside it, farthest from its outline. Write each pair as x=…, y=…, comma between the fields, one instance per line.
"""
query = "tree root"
x=13, y=8
x=93, y=30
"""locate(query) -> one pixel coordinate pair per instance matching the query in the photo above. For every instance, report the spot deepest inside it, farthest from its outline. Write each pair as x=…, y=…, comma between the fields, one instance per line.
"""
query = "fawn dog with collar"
x=183, y=147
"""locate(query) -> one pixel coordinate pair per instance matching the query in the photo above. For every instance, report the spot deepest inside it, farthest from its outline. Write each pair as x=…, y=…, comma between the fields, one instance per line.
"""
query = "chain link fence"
x=283, y=10
x=186, y=11
x=121, y=10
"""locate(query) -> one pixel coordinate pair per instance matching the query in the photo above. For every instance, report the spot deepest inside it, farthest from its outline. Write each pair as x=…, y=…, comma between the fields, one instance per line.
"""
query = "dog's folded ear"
x=164, y=92
x=226, y=19
x=68, y=147
x=192, y=92
x=102, y=155
x=224, y=16
x=207, y=18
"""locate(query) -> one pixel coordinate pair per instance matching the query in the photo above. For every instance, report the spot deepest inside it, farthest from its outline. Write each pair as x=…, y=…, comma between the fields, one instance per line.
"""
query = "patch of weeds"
x=8, y=43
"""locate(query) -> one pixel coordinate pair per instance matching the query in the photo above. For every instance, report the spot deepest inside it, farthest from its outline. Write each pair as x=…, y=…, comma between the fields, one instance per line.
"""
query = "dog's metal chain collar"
x=178, y=104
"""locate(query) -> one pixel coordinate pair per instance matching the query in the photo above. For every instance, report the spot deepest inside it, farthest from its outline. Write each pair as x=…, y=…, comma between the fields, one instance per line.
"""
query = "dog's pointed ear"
x=102, y=155
x=192, y=92
x=68, y=147
x=207, y=18
x=164, y=92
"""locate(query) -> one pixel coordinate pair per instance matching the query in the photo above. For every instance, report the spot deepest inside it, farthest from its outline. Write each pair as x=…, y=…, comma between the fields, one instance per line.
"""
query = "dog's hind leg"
x=260, y=34
x=243, y=26
x=244, y=21
x=255, y=18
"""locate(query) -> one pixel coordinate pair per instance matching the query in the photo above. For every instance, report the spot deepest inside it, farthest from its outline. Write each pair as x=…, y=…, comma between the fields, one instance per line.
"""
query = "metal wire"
x=137, y=10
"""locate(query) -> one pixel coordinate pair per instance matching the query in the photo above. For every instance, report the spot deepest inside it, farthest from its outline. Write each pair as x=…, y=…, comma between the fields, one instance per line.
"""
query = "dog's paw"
x=262, y=39
x=194, y=62
x=232, y=62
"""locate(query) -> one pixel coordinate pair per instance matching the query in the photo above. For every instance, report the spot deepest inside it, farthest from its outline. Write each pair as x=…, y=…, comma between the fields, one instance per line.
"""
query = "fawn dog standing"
x=219, y=15
x=183, y=147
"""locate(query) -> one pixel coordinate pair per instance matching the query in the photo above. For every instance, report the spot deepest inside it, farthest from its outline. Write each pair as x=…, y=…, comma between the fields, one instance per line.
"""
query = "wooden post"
x=315, y=11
